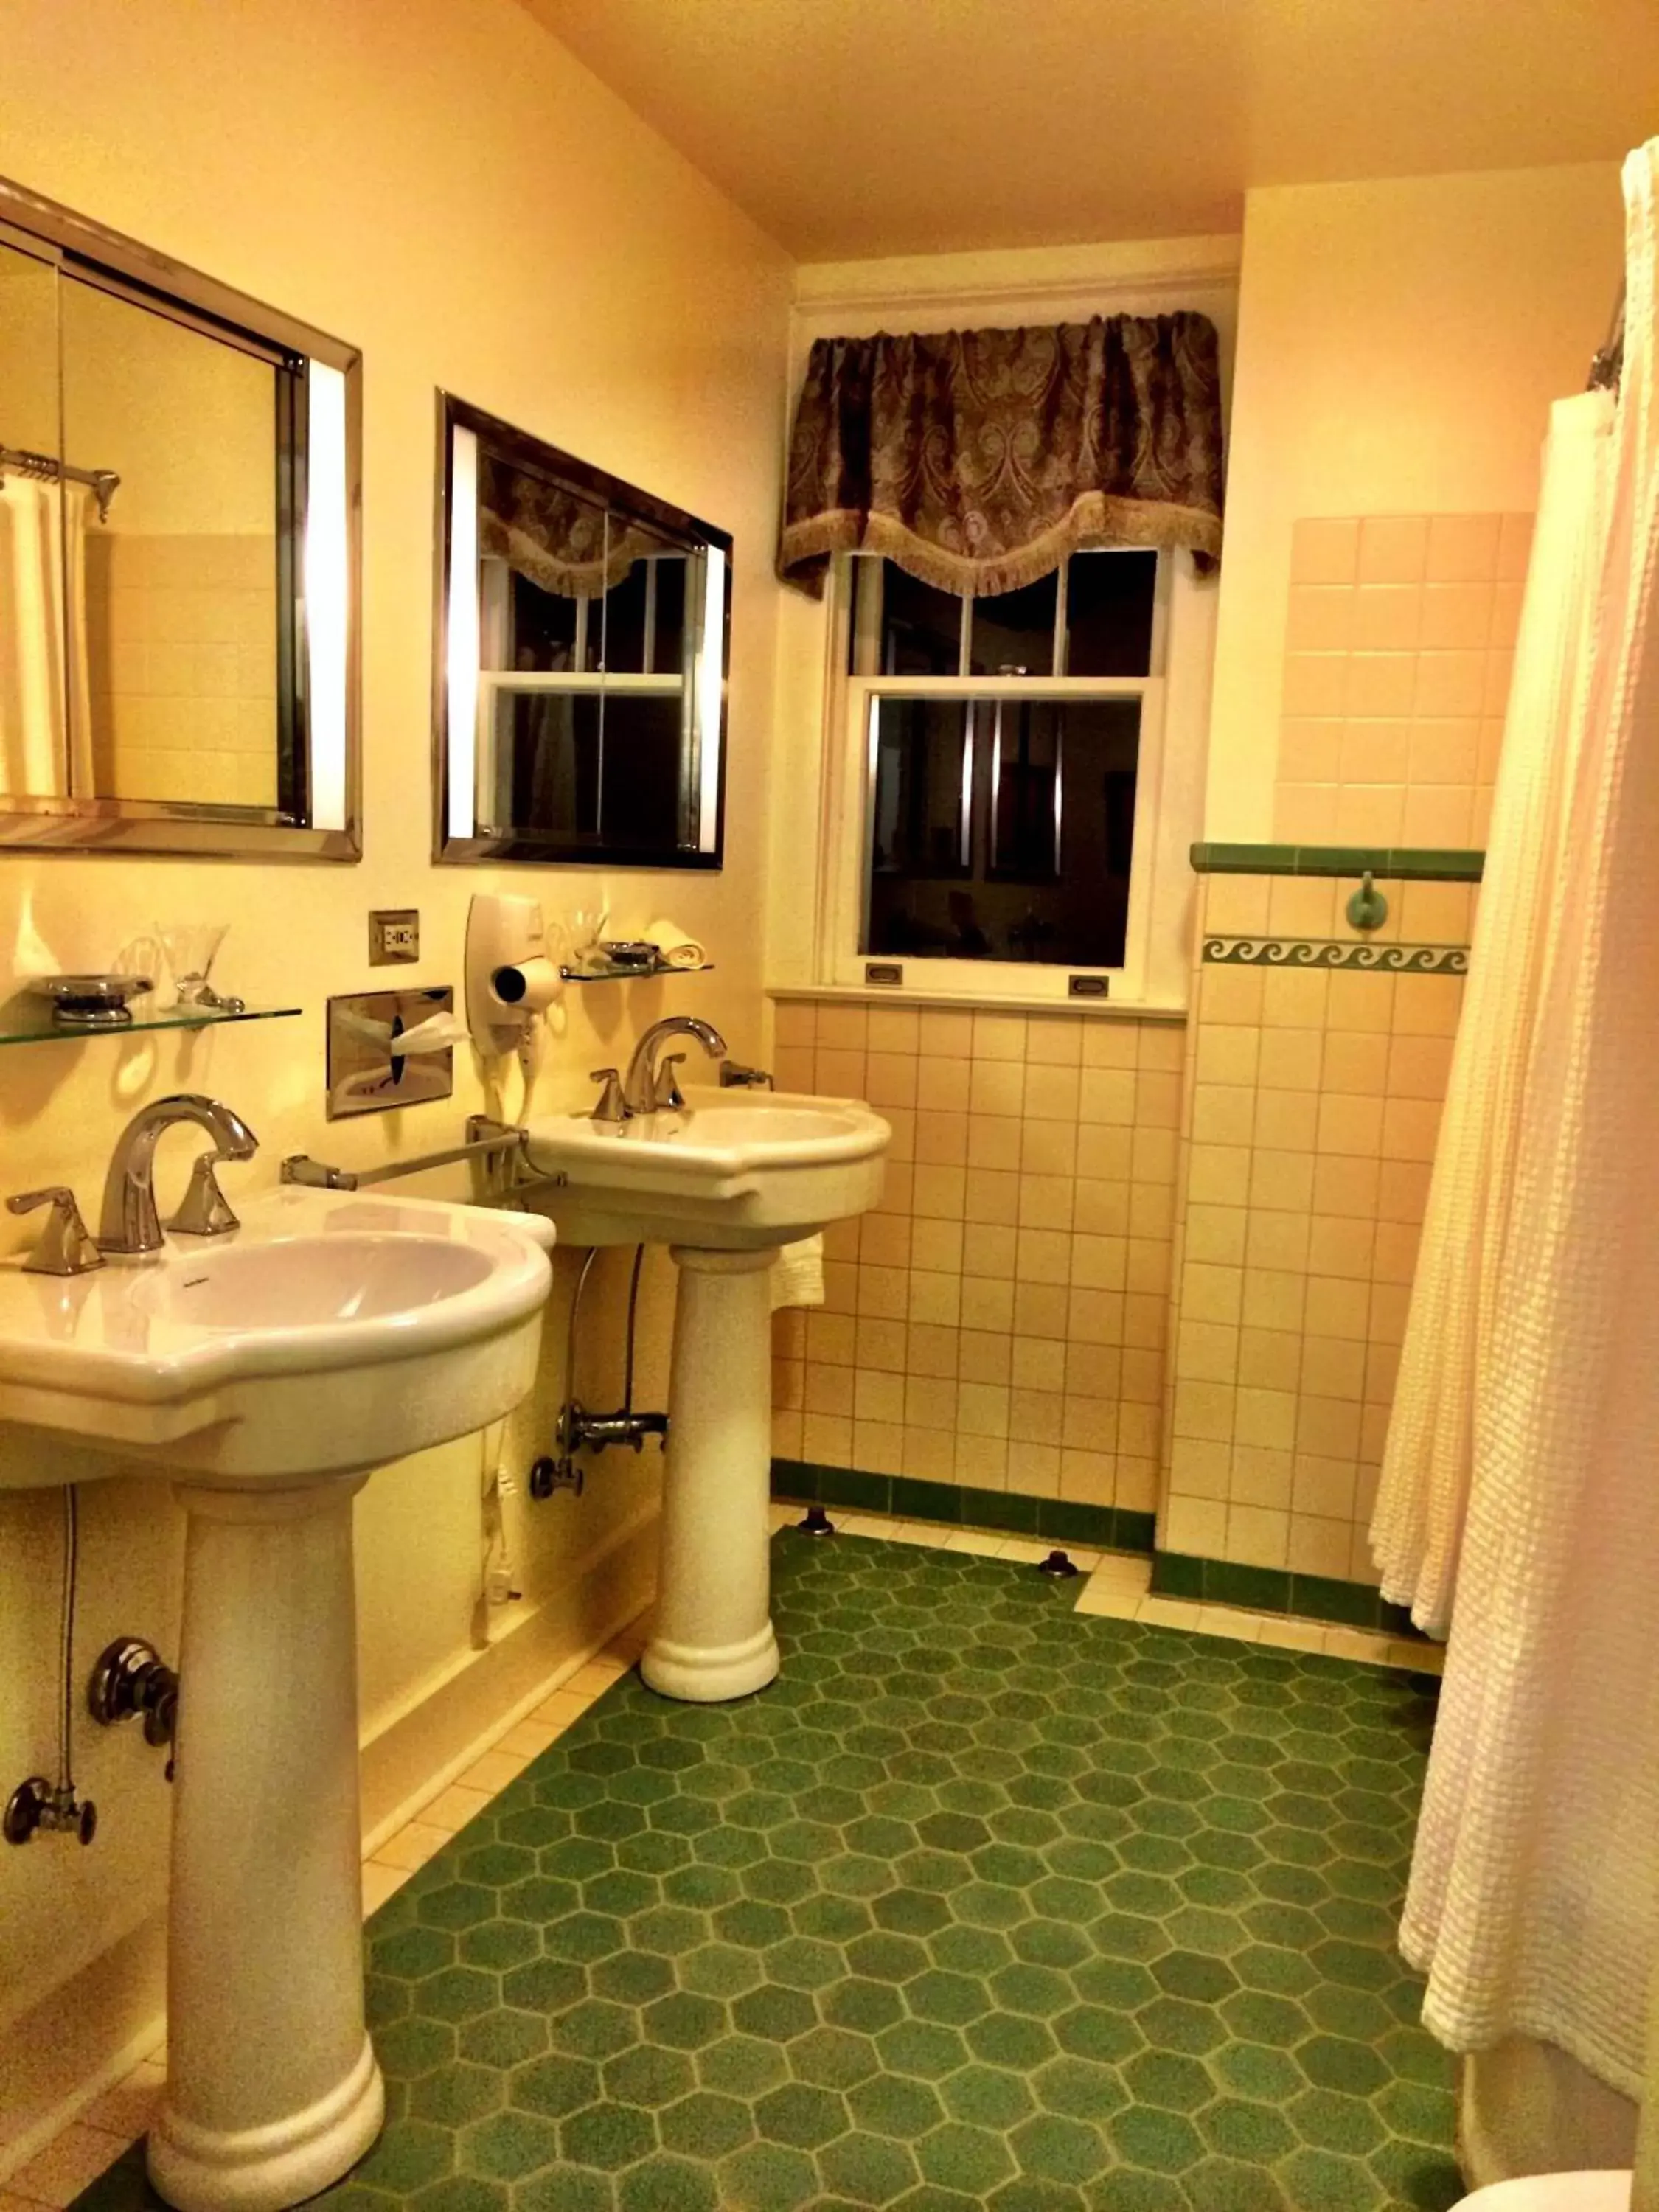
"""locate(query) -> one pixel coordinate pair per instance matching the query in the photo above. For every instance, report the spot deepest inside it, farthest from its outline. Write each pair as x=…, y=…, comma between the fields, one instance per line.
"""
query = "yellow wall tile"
x=878, y=1343
x=1387, y=618
x=999, y=1036
x=1199, y=1469
x=931, y=1351
x=1052, y=1094
x=1290, y=1001
x=1236, y=905
x=1325, y=551
x=844, y=1029
x=991, y=1196
x=890, y=1078
x=987, y=1303
x=1269, y=1359
x=1463, y=548
x=894, y=1029
x=997, y=1087
x=1257, y=1537
x=1393, y=549
x=1053, y=1041
x=946, y=1036
x=935, y=1300
x=796, y=1023
x=1050, y=1148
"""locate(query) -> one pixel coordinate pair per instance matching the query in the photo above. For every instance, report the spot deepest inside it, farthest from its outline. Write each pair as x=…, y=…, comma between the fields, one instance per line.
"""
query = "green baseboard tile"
x=1057, y=1520
x=1271, y=1589
x=1405, y=863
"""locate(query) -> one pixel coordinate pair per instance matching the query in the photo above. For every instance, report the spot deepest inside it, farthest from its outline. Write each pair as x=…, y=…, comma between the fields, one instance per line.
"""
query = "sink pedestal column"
x=712, y=1634
x=272, y=2088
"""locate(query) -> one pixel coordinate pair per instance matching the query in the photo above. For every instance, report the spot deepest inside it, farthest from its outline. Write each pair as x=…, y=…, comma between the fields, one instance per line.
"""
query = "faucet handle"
x=66, y=1246
x=612, y=1106
x=668, y=1097
x=205, y=1211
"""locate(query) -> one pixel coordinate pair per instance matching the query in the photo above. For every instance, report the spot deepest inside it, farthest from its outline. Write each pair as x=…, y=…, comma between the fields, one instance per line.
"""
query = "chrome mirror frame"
x=330, y=697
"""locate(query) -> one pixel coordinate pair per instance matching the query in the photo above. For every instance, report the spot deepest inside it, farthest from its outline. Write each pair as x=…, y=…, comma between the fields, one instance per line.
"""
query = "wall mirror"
x=179, y=498
x=582, y=638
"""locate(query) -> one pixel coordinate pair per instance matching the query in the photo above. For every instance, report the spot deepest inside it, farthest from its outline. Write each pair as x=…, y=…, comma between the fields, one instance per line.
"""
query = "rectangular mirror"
x=582, y=637
x=179, y=498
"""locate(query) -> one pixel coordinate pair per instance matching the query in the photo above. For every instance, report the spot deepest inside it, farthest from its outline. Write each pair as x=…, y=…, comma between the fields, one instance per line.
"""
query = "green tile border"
x=1103, y=1528
x=1407, y=863
x=1271, y=1589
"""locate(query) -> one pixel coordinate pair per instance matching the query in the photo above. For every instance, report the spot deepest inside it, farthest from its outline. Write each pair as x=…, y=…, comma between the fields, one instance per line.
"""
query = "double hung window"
x=1004, y=759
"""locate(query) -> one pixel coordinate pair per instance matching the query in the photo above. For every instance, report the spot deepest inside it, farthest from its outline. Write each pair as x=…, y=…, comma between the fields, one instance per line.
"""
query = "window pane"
x=1002, y=830
x=923, y=798
x=1014, y=634
x=921, y=626
x=1109, y=613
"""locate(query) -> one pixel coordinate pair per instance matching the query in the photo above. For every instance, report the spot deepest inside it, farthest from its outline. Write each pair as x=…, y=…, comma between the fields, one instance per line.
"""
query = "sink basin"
x=308, y=1283
x=738, y=1170
x=425, y=1320
x=268, y=1373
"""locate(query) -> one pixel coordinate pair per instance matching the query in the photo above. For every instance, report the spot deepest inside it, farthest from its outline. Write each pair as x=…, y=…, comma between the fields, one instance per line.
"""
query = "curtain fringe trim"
x=1094, y=519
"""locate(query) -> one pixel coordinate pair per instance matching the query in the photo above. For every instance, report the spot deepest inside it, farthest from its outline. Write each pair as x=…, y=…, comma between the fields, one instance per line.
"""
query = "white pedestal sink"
x=268, y=1372
x=724, y=1183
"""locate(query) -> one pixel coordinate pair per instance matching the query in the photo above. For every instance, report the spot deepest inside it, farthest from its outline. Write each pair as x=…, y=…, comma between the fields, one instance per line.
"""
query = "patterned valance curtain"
x=978, y=460
x=554, y=537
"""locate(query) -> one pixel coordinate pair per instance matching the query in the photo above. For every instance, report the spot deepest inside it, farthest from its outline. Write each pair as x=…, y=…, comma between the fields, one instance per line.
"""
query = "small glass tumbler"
x=191, y=948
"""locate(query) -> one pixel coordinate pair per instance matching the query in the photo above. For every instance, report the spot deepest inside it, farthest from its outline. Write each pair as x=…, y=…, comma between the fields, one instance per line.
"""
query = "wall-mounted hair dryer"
x=509, y=978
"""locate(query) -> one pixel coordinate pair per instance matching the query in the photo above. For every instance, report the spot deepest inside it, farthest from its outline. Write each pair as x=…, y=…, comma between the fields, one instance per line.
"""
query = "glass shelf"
x=632, y=975
x=20, y=1024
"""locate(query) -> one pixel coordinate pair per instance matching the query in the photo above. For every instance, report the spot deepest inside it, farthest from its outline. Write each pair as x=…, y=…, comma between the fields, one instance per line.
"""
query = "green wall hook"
x=1367, y=908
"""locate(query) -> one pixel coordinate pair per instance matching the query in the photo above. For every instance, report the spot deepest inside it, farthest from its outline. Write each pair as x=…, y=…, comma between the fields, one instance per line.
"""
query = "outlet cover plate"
x=394, y=937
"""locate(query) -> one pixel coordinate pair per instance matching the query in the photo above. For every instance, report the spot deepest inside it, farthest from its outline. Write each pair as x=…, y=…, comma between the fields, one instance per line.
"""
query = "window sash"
x=855, y=762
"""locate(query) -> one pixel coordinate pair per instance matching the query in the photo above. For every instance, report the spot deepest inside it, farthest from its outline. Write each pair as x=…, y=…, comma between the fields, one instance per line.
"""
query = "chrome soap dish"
x=90, y=1002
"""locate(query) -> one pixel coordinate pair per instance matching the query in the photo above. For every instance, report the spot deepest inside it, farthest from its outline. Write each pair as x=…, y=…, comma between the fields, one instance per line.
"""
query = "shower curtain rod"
x=45, y=468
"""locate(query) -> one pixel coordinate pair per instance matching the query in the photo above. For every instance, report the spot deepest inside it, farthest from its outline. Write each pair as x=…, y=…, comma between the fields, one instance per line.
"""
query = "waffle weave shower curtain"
x=1532, y=1904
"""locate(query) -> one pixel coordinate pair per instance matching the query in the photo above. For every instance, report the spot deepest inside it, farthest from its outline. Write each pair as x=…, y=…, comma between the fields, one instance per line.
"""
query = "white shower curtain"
x=46, y=726
x=1417, y=1529
x=1532, y=1907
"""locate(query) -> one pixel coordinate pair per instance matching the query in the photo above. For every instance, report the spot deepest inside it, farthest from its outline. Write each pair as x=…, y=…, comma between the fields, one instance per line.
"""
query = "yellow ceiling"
x=849, y=128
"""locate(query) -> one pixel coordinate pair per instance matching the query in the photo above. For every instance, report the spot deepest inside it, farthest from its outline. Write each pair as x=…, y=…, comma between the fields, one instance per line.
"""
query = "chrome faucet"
x=646, y=1091
x=129, y=1224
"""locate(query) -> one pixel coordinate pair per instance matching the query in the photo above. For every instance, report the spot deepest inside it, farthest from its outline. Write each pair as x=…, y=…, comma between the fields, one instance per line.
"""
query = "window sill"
x=1003, y=1002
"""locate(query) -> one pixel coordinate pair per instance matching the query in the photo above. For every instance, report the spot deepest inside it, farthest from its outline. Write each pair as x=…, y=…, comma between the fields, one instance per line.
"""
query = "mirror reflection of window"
x=181, y=628
x=597, y=707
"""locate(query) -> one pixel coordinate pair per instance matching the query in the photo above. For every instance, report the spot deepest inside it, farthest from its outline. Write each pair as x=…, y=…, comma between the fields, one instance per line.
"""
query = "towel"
x=797, y=1274
x=674, y=948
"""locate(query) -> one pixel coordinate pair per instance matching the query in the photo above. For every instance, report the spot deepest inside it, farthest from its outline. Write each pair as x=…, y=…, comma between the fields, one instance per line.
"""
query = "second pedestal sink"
x=724, y=1182
x=269, y=1371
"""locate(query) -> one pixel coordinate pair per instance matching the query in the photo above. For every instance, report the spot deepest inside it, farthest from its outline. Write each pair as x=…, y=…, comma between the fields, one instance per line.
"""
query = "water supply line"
x=578, y=1429
x=39, y=1806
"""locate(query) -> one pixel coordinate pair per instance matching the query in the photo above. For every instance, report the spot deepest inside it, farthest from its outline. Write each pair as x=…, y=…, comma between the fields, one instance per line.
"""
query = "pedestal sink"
x=268, y=1372
x=725, y=1183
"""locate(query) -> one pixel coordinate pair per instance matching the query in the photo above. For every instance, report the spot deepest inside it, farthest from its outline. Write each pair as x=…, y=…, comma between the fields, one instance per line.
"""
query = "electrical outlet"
x=394, y=937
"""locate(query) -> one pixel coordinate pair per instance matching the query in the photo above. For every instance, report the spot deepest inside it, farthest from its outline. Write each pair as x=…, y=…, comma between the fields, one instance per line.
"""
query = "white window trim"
x=1168, y=812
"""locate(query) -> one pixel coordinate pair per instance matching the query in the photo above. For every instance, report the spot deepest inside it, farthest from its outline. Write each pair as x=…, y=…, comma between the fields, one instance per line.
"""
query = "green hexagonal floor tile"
x=982, y=1906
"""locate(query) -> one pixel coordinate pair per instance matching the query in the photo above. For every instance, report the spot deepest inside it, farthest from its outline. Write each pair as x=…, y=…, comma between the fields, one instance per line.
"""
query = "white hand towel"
x=797, y=1274
x=676, y=948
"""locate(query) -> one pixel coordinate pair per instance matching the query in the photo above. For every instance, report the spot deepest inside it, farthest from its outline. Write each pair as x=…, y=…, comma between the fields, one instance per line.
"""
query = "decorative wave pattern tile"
x=1360, y=953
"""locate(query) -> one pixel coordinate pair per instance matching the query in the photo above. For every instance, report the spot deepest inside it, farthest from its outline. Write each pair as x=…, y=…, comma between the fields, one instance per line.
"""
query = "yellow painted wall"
x=1399, y=345
x=446, y=188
